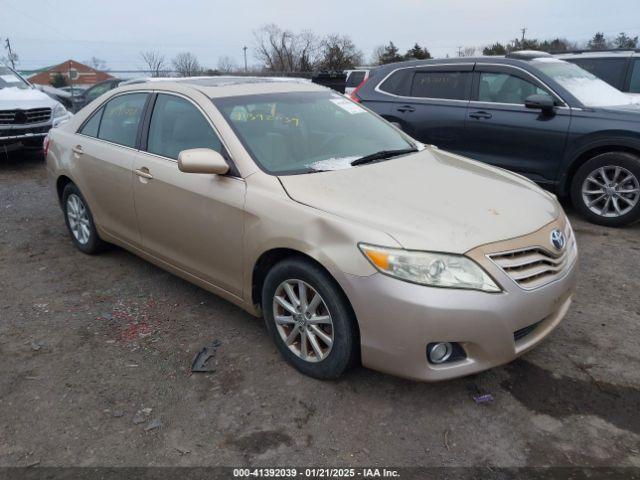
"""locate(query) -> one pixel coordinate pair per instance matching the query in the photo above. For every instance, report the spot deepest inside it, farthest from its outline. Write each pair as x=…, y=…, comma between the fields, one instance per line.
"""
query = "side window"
x=177, y=125
x=95, y=92
x=505, y=88
x=91, y=127
x=445, y=85
x=121, y=119
x=399, y=83
x=611, y=70
x=634, y=86
x=355, y=78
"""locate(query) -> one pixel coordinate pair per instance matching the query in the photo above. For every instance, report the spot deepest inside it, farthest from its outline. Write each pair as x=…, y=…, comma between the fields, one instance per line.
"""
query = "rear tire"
x=606, y=189
x=80, y=222
x=328, y=317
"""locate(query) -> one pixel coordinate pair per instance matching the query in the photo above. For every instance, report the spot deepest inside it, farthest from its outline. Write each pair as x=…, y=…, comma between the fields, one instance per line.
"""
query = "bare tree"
x=186, y=64
x=284, y=51
x=339, y=53
x=154, y=61
x=377, y=54
x=467, y=51
x=96, y=63
x=226, y=64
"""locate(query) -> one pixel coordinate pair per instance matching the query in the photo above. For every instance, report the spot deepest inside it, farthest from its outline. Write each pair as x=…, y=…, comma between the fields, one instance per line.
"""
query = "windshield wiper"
x=381, y=155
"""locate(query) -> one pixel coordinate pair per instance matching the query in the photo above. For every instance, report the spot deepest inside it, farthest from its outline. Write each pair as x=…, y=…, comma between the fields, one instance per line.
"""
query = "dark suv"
x=619, y=68
x=547, y=119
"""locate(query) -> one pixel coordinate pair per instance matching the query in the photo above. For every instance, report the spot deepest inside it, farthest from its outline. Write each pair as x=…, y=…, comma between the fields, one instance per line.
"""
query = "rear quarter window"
x=355, y=79
x=634, y=86
x=399, y=83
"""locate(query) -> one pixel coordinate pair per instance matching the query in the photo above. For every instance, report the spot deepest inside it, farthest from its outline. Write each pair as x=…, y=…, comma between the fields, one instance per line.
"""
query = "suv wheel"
x=79, y=221
x=606, y=189
x=309, y=319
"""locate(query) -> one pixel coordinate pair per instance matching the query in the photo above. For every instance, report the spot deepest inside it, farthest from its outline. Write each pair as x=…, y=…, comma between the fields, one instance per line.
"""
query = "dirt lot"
x=88, y=343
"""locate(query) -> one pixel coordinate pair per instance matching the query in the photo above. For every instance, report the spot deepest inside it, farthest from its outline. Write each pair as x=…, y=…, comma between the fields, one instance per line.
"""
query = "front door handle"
x=77, y=150
x=480, y=115
x=144, y=173
x=406, y=109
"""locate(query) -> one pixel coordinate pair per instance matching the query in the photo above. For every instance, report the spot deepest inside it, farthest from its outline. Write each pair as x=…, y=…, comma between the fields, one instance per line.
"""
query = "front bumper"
x=398, y=320
x=28, y=133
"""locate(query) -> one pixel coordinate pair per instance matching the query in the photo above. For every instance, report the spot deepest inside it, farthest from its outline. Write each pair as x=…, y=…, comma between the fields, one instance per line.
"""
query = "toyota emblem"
x=557, y=239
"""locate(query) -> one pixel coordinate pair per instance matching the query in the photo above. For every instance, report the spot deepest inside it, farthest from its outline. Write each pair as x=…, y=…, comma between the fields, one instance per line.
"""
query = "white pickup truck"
x=26, y=114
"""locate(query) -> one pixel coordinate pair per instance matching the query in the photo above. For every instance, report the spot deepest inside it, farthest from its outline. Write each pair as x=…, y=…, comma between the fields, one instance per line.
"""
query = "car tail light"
x=46, y=144
x=354, y=95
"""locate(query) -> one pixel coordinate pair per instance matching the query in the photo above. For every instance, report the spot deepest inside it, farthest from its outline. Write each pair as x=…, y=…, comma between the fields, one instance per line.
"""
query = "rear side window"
x=634, y=86
x=399, y=83
x=91, y=127
x=121, y=119
x=505, y=88
x=177, y=125
x=355, y=79
x=611, y=70
x=444, y=85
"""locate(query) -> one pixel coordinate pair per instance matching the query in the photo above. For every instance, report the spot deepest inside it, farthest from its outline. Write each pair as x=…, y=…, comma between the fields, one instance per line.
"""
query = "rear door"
x=105, y=150
x=501, y=131
x=190, y=221
x=431, y=102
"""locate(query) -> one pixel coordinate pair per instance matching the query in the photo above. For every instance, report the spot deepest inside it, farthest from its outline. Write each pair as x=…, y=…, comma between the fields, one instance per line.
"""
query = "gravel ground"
x=95, y=355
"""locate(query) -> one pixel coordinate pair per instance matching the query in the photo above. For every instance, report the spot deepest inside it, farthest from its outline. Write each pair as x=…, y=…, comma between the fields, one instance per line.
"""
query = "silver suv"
x=26, y=114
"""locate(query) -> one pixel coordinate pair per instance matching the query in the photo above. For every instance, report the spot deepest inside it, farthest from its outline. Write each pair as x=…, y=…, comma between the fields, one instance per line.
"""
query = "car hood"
x=430, y=200
x=24, y=98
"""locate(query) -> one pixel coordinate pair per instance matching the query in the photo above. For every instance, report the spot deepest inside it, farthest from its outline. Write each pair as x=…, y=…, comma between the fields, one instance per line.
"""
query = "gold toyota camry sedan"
x=355, y=242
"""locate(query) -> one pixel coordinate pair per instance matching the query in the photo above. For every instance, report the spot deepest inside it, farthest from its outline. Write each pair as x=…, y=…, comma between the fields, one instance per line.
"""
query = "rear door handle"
x=77, y=150
x=480, y=115
x=406, y=109
x=144, y=173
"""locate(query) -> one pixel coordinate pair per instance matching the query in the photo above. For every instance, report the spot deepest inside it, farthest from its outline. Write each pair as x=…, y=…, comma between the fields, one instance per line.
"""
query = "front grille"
x=536, y=266
x=17, y=132
x=523, y=332
x=21, y=117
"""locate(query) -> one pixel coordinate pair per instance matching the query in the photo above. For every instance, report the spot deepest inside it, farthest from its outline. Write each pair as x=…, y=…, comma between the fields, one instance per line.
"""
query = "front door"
x=501, y=131
x=191, y=221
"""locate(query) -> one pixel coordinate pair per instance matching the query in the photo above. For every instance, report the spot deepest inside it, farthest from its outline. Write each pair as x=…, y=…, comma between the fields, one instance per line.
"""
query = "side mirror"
x=540, y=102
x=202, y=160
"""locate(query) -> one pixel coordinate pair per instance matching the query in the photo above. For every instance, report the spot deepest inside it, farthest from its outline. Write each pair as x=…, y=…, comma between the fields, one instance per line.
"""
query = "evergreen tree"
x=418, y=53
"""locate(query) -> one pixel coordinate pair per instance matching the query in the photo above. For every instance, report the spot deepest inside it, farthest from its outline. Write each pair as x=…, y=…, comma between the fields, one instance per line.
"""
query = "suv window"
x=177, y=125
x=355, y=79
x=445, y=85
x=634, y=86
x=96, y=91
x=399, y=83
x=611, y=70
x=505, y=88
x=91, y=127
x=121, y=119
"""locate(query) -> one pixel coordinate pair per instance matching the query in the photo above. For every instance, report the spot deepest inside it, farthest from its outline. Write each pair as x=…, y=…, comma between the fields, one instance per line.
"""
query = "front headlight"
x=58, y=111
x=430, y=268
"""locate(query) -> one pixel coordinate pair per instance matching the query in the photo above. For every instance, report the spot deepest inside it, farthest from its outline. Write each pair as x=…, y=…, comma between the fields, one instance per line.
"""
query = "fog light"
x=440, y=352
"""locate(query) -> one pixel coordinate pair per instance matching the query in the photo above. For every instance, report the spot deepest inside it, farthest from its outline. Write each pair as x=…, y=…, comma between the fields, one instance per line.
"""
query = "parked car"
x=619, y=68
x=542, y=117
x=353, y=240
x=90, y=94
x=355, y=78
x=26, y=114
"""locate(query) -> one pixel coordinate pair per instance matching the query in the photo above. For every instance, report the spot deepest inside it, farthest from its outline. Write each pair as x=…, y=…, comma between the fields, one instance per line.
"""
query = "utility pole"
x=8, y=43
x=244, y=49
x=460, y=51
x=523, y=30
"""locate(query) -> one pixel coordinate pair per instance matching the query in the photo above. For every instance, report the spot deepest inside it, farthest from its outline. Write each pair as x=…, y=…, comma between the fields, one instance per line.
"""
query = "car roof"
x=499, y=59
x=600, y=54
x=229, y=85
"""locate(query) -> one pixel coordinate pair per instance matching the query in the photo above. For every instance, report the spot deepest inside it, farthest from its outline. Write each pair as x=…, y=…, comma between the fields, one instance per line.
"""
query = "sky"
x=46, y=32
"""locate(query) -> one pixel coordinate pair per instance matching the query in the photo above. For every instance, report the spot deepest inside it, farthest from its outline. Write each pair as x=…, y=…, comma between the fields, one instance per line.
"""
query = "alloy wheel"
x=78, y=218
x=303, y=320
x=610, y=191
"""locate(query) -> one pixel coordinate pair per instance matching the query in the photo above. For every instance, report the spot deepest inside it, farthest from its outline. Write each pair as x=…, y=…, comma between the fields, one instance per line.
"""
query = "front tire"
x=606, y=189
x=79, y=221
x=309, y=319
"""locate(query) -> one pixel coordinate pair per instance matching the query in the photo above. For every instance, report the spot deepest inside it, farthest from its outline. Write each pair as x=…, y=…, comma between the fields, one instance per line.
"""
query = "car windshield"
x=291, y=133
x=586, y=87
x=9, y=79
